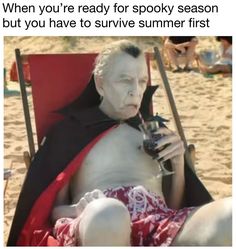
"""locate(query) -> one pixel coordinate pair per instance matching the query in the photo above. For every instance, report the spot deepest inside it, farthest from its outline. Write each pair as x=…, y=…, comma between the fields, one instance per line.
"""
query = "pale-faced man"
x=115, y=173
x=113, y=197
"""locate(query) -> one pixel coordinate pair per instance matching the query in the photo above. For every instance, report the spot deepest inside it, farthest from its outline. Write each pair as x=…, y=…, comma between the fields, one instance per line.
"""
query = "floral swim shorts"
x=152, y=222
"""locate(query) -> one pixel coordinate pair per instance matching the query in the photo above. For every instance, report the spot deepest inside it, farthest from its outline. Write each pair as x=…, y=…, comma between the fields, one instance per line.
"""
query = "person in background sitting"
x=224, y=64
x=177, y=46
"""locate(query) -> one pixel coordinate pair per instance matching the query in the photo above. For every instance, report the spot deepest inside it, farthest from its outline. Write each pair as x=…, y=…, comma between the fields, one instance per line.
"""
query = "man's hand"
x=75, y=210
x=171, y=147
x=88, y=197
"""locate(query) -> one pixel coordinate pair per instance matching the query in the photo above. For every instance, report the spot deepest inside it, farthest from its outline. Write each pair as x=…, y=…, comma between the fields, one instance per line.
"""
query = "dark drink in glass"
x=150, y=141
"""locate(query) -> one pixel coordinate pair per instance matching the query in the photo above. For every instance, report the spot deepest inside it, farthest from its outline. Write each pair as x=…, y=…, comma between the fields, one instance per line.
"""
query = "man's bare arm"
x=64, y=211
x=174, y=152
x=62, y=207
x=178, y=183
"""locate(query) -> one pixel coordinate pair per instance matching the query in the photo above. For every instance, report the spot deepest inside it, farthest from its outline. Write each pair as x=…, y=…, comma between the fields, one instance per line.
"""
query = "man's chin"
x=130, y=114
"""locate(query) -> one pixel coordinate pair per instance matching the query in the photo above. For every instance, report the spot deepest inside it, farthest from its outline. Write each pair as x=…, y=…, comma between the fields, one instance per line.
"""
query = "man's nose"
x=135, y=89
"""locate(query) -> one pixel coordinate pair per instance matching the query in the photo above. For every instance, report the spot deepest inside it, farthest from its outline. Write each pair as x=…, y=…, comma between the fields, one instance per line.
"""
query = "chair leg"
x=27, y=159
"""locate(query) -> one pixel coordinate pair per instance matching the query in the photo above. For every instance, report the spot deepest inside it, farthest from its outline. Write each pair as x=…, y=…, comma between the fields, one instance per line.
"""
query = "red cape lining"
x=37, y=230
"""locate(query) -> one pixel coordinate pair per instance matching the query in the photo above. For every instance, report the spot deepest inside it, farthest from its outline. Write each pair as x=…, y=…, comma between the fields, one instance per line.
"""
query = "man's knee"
x=105, y=221
x=225, y=221
x=222, y=235
x=209, y=225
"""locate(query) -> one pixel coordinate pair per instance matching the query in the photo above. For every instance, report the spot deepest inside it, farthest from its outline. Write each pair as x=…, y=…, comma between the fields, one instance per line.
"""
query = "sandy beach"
x=204, y=105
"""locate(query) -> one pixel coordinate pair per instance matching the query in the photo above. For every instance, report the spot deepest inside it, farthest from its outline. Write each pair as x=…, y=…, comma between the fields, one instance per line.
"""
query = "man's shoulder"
x=64, y=130
x=79, y=127
x=67, y=123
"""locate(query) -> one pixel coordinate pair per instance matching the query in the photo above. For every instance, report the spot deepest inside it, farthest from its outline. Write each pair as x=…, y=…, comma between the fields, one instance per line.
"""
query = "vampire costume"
x=62, y=153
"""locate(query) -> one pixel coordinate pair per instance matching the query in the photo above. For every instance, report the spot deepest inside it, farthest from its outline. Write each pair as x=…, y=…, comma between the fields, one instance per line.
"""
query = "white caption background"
x=117, y=13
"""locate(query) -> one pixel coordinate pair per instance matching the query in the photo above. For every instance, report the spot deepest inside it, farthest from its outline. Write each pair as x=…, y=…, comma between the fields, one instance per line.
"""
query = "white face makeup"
x=123, y=86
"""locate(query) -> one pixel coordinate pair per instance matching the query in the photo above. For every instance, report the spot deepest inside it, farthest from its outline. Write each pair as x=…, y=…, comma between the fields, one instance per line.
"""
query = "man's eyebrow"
x=125, y=75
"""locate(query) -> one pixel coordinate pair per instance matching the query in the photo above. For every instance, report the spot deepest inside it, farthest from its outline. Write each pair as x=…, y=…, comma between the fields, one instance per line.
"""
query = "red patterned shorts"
x=153, y=223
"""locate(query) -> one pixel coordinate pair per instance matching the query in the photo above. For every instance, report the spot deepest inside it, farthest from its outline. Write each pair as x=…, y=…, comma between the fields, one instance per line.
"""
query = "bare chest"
x=117, y=159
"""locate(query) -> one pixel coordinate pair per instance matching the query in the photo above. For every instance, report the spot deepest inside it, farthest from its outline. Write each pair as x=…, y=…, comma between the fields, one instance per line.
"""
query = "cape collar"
x=94, y=116
x=85, y=108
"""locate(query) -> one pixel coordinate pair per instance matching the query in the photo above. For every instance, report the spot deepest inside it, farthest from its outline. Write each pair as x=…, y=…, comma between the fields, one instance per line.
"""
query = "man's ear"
x=99, y=84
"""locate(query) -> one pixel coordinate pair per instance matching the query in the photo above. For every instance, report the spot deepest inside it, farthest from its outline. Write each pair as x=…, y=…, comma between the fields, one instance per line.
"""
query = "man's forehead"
x=128, y=61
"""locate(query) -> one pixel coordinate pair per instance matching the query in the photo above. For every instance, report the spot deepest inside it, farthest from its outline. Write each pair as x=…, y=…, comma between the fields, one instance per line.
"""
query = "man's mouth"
x=133, y=106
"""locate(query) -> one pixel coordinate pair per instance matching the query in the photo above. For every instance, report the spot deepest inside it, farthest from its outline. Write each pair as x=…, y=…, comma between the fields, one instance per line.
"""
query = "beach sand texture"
x=203, y=103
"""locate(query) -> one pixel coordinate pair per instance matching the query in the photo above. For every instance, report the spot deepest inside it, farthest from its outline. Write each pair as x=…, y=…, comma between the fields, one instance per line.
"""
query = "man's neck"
x=105, y=109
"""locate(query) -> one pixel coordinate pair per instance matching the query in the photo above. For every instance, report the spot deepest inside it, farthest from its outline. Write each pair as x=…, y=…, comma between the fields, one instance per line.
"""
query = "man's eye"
x=126, y=80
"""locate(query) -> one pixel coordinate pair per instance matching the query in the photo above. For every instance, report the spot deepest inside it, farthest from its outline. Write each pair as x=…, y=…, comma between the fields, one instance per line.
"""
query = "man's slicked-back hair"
x=103, y=60
x=131, y=49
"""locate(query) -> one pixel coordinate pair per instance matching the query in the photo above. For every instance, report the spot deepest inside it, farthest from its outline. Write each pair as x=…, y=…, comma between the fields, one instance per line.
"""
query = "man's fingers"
x=88, y=197
x=167, y=139
x=81, y=204
x=170, y=151
x=97, y=194
x=172, y=155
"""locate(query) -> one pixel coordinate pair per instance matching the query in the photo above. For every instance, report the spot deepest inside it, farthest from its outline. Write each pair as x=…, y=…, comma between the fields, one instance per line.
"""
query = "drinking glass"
x=150, y=140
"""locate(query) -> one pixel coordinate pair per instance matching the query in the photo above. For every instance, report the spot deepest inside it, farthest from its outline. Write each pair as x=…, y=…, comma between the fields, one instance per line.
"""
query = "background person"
x=179, y=46
x=224, y=63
